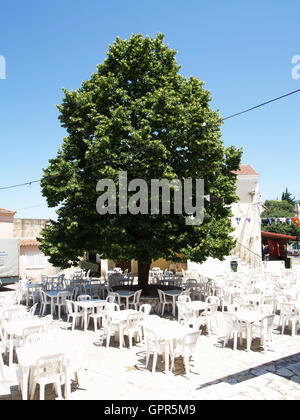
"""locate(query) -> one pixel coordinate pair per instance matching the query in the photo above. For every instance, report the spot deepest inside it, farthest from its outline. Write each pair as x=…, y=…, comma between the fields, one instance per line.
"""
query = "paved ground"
x=222, y=374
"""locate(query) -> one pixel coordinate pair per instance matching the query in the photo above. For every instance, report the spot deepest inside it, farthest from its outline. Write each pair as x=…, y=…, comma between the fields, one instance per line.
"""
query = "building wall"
x=28, y=228
x=247, y=232
x=35, y=270
x=6, y=226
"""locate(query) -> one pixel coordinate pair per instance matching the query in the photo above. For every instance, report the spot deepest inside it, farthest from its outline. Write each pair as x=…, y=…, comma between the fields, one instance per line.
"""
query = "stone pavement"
x=222, y=374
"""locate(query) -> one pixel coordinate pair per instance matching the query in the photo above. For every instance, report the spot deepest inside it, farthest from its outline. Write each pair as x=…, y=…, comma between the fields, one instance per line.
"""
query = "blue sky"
x=242, y=50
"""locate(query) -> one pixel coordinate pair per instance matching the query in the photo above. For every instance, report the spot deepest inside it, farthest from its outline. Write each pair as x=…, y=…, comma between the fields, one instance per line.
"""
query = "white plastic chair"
x=264, y=330
x=133, y=326
x=233, y=328
x=113, y=297
x=74, y=293
x=29, y=331
x=163, y=301
x=72, y=312
x=49, y=370
x=36, y=338
x=97, y=315
x=10, y=376
x=112, y=306
x=153, y=346
x=61, y=303
x=83, y=298
x=183, y=298
x=209, y=318
x=186, y=348
x=145, y=309
x=111, y=327
x=45, y=301
x=288, y=314
x=183, y=313
x=32, y=310
x=14, y=314
x=136, y=300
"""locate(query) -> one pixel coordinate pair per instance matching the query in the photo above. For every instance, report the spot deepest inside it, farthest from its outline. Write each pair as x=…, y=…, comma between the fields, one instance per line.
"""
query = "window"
x=35, y=259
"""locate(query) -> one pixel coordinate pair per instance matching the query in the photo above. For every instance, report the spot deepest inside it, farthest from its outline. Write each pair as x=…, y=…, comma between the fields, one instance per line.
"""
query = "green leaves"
x=137, y=114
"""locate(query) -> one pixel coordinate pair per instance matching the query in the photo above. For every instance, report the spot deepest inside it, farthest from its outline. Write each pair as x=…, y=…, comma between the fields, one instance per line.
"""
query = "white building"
x=247, y=223
x=32, y=262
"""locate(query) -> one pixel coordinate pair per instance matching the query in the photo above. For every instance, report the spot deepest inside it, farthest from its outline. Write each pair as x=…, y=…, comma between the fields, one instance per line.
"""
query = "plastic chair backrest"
x=134, y=321
x=110, y=307
x=36, y=338
x=184, y=298
x=32, y=330
x=145, y=309
x=82, y=298
x=49, y=366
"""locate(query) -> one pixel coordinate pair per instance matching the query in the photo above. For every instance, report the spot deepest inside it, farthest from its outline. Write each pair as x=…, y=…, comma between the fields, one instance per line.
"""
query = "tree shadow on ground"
x=280, y=367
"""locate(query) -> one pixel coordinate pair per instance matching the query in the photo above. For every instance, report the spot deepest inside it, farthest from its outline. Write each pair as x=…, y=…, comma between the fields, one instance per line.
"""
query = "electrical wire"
x=204, y=125
x=260, y=105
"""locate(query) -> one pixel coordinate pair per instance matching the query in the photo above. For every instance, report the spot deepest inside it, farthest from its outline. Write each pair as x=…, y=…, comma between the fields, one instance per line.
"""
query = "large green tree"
x=138, y=114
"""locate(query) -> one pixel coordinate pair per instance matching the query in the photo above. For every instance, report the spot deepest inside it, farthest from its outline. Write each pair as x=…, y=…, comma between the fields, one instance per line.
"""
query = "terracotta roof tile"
x=29, y=242
x=246, y=170
x=5, y=211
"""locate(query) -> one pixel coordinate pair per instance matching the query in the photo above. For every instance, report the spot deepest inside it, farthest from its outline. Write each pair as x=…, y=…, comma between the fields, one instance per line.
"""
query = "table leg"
x=248, y=336
x=68, y=383
x=167, y=352
x=85, y=319
x=52, y=305
x=11, y=350
x=25, y=377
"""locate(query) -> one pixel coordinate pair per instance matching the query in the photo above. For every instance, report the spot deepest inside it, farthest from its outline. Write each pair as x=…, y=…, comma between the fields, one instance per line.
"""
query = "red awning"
x=278, y=236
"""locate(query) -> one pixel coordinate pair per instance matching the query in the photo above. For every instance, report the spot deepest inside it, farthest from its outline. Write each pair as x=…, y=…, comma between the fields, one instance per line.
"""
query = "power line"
x=20, y=185
x=260, y=105
x=224, y=119
x=30, y=207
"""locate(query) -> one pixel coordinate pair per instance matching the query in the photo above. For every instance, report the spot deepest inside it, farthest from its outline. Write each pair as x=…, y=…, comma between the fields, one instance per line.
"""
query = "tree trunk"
x=143, y=274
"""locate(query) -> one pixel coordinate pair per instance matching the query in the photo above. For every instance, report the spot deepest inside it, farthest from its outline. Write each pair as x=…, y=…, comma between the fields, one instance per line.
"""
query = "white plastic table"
x=31, y=287
x=174, y=294
x=126, y=294
x=87, y=305
x=120, y=317
x=14, y=330
x=249, y=318
x=52, y=294
x=196, y=306
x=167, y=332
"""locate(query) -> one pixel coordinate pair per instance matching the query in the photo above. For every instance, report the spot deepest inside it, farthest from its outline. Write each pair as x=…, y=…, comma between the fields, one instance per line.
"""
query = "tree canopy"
x=138, y=114
x=287, y=196
x=280, y=209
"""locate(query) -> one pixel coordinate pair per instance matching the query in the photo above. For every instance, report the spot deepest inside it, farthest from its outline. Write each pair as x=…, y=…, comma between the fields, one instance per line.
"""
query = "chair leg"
x=130, y=339
x=154, y=362
x=107, y=339
x=234, y=341
x=187, y=366
x=32, y=390
x=42, y=392
x=147, y=358
x=58, y=390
